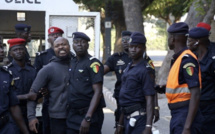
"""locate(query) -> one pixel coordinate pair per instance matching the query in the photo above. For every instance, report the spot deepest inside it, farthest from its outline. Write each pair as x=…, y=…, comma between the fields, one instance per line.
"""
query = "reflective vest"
x=176, y=92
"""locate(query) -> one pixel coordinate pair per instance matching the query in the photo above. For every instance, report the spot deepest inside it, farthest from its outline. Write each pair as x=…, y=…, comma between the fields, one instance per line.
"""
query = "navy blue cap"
x=22, y=28
x=126, y=33
x=198, y=32
x=178, y=28
x=137, y=38
x=80, y=35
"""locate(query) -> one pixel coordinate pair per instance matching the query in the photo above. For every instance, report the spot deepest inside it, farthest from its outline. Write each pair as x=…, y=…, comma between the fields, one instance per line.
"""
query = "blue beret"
x=178, y=28
x=80, y=35
x=22, y=28
x=126, y=33
x=198, y=32
x=137, y=38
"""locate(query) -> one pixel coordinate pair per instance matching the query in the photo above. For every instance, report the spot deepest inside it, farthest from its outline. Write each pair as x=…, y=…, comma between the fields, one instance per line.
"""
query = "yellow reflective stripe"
x=177, y=90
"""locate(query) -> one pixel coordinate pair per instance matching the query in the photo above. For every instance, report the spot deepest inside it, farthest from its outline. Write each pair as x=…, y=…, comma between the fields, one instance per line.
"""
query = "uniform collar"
x=19, y=68
x=205, y=58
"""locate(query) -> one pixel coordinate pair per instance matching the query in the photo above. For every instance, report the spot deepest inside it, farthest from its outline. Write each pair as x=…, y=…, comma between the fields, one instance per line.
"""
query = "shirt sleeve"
x=31, y=110
x=190, y=71
x=148, y=84
x=41, y=79
x=96, y=71
x=110, y=63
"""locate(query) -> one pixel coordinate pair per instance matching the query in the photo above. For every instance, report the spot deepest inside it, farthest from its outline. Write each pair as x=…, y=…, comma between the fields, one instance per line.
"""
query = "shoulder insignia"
x=12, y=83
x=186, y=55
x=213, y=57
x=40, y=53
x=150, y=62
x=95, y=66
x=189, y=68
x=91, y=58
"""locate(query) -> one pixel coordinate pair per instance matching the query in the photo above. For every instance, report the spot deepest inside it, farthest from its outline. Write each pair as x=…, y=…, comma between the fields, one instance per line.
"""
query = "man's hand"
x=32, y=125
x=160, y=89
x=85, y=126
x=156, y=115
x=43, y=91
x=147, y=130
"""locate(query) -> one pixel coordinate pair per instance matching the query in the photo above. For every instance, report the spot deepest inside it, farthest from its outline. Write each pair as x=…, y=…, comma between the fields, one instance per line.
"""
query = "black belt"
x=4, y=118
x=207, y=102
x=173, y=106
x=131, y=109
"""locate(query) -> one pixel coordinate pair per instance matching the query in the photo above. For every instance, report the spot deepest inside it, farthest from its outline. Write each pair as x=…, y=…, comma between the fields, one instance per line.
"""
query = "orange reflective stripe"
x=174, y=91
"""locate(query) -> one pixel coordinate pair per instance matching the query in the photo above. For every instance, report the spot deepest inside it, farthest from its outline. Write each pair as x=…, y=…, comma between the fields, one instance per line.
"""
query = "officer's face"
x=80, y=46
x=18, y=52
x=136, y=51
x=125, y=40
x=170, y=41
x=53, y=37
x=1, y=52
x=192, y=44
x=26, y=36
x=61, y=47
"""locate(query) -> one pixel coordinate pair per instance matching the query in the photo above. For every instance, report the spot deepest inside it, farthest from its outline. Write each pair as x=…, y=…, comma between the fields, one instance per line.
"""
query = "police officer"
x=42, y=59
x=117, y=63
x=55, y=76
x=137, y=92
x=23, y=31
x=183, y=84
x=198, y=42
x=23, y=73
x=85, y=101
x=9, y=102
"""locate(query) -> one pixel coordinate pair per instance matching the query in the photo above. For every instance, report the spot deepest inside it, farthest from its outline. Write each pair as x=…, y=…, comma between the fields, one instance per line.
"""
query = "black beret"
x=198, y=32
x=126, y=33
x=22, y=28
x=137, y=38
x=80, y=35
x=178, y=28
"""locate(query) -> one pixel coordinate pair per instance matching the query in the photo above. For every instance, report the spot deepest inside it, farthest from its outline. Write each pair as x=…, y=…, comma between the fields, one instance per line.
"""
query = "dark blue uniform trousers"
x=208, y=112
x=7, y=129
x=74, y=121
x=139, y=125
x=45, y=117
x=179, y=118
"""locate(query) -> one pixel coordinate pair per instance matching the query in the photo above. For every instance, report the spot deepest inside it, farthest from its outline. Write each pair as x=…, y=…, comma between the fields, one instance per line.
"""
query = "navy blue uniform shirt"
x=117, y=63
x=207, y=66
x=189, y=69
x=84, y=73
x=7, y=95
x=43, y=58
x=136, y=84
x=23, y=78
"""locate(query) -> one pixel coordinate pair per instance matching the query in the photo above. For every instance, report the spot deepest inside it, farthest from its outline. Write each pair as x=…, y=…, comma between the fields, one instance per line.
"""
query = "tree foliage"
x=163, y=8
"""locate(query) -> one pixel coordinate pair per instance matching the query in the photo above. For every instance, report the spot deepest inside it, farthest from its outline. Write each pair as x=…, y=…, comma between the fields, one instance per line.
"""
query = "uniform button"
x=68, y=84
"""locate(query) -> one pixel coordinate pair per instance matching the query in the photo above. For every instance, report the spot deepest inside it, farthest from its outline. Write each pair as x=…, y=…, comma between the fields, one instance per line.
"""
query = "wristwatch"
x=157, y=107
x=88, y=118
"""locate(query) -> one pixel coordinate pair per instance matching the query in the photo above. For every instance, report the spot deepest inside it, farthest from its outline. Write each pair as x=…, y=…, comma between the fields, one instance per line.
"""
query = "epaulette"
x=186, y=55
x=91, y=58
x=5, y=68
x=40, y=53
x=118, y=54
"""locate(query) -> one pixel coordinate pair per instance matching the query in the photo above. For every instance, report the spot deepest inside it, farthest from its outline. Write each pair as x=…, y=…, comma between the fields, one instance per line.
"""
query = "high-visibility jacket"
x=176, y=92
